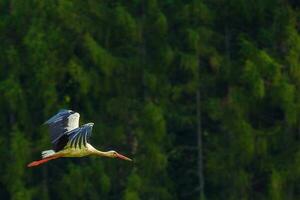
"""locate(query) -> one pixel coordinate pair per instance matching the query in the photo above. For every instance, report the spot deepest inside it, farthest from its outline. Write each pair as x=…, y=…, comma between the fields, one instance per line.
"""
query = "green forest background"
x=202, y=94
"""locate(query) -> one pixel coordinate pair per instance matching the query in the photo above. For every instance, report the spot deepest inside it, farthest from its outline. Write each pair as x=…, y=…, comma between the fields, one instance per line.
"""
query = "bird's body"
x=74, y=152
x=70, y=140
x=77, y=152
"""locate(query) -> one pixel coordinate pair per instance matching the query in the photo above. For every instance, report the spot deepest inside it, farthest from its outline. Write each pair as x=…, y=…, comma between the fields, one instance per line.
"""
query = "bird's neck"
x=98, y=153
x=101, y=153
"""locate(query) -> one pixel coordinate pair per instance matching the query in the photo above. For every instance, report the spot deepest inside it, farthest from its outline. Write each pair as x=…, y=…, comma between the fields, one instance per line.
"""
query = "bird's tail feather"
x=47, y=153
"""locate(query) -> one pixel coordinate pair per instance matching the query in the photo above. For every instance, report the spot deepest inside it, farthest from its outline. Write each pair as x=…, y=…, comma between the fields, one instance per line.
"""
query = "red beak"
x=123, y=157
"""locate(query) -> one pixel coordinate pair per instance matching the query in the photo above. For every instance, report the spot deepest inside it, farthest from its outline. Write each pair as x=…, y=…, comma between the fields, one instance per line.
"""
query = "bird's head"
x=114, y=154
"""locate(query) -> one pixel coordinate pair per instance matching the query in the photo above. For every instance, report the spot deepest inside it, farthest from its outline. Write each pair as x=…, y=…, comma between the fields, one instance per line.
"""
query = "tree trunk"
x=200, y=147
x=45, y=184
x=227, y=42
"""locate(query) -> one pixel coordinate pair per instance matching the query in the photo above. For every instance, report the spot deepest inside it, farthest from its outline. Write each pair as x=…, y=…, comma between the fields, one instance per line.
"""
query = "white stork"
x=70, y=140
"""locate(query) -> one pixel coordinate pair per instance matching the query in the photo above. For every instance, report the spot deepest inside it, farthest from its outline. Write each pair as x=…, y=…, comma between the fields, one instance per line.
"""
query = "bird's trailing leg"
x=38, y=162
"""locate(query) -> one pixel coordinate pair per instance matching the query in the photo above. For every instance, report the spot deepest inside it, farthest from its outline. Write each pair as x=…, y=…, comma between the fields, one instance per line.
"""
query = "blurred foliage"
x=134, y=68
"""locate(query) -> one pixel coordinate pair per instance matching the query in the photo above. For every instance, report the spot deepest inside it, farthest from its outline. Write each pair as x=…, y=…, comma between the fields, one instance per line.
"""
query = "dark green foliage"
x=134, y=69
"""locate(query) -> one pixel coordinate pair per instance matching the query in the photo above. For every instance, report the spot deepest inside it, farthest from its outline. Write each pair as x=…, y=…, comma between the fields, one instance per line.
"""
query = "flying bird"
x=70, y=140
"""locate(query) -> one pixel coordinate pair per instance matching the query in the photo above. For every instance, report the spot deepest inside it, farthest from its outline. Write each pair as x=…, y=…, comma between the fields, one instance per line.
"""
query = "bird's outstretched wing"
x=80, y=137
x=61, y=123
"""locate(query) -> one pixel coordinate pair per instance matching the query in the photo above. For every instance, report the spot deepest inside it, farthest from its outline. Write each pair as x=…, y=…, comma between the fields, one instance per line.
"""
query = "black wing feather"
x=59, y=125
x=80, y=136
x=61, y=143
